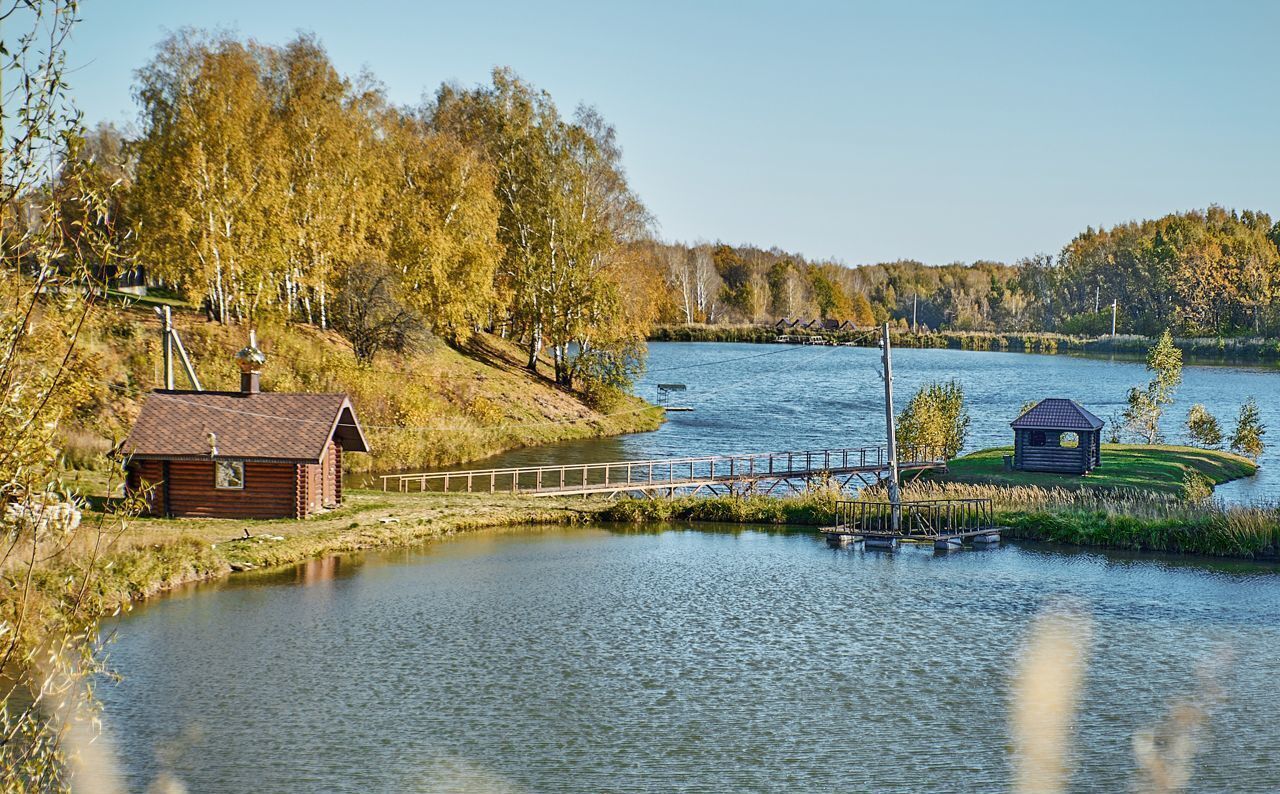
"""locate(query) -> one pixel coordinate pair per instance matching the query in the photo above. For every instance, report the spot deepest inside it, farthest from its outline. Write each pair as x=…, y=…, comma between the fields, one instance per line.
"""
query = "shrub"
x=935, y=417
x=1247, y=438
x=370, y=315
x=1196, y=487
x=1204, y=427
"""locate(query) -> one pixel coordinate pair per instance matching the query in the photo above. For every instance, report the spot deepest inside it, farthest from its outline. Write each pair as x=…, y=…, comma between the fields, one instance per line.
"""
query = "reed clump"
x=1138, y=520
x=1135, y=520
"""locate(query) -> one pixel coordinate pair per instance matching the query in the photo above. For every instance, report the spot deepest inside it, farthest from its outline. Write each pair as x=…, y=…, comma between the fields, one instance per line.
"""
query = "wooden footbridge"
x=946, y=523
x=765, y=473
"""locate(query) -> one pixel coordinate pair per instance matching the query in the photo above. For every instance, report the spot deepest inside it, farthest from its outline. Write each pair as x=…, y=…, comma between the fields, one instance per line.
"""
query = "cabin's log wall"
x=1052, y=457
x=143, y=475
x=311, y=485
x=270, y=489
x=330, y=476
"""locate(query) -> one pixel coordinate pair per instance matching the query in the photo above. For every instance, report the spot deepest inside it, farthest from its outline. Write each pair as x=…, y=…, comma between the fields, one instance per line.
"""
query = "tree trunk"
x=535, y=346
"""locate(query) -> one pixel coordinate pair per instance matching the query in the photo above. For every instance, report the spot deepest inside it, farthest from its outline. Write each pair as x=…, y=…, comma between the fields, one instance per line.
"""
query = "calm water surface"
x=586, y=661
x=796, y=397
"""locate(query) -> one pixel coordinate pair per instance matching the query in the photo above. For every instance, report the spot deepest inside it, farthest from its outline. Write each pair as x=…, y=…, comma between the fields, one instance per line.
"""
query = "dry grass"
x=436, y=406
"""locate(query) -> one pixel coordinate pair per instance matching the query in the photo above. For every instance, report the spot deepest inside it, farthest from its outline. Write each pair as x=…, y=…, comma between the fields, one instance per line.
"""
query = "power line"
x=789, y=349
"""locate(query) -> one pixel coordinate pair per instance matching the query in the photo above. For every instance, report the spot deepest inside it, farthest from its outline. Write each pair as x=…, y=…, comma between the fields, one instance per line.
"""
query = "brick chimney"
x=250, y=360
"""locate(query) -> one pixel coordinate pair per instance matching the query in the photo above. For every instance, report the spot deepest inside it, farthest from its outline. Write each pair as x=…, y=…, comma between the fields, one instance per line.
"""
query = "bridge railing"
x=926, y=518
x=658, y=473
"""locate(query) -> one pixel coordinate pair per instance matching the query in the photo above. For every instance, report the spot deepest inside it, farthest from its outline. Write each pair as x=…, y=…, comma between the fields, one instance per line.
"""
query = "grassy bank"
x=440, y=405
x=154, y=555
x=1145, y=521
x=1194, y=348
x=1150, y=467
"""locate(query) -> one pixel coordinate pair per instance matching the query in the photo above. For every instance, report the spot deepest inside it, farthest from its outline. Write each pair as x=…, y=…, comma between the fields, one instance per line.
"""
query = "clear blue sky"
x=864, y=132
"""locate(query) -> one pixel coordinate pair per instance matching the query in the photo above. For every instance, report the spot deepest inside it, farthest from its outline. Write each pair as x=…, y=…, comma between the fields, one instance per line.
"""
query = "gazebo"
x=1057, y=435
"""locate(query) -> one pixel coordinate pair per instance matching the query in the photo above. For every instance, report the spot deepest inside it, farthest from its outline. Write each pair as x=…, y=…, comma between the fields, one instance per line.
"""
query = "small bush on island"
x=935, y=417
x=1196, y=488
x=1204, y=428
x=1247, y=438
x=1145, y=406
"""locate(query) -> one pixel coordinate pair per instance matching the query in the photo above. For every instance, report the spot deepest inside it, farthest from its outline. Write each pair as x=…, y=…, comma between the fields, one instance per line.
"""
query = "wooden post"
x=891, y=433
x=166, y=329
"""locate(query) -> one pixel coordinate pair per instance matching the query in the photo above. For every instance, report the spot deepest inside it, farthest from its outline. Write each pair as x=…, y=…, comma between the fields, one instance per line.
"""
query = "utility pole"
x=166, y=341
x=895, y=498
x=915, y=329
x=1113, y=318
x=1097, y=296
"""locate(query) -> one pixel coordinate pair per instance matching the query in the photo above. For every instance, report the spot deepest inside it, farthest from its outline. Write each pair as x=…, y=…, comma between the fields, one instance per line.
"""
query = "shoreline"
x=382, y=525
x=1259, y=351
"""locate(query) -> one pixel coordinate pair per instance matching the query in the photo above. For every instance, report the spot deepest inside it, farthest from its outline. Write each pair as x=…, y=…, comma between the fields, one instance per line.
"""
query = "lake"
x=577, y=660
x=760, y=398
x=581, y=660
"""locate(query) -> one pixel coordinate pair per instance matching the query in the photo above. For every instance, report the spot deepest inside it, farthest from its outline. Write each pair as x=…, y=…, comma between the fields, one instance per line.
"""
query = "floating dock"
x=946, y=523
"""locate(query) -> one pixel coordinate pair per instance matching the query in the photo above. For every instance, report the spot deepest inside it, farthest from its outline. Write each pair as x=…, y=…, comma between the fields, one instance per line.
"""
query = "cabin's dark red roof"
x=1057, y=413
x=175, y=425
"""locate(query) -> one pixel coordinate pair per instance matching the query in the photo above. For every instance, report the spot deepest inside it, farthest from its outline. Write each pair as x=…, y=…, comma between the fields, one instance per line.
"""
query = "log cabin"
x=245, y=454
x=1057, y=435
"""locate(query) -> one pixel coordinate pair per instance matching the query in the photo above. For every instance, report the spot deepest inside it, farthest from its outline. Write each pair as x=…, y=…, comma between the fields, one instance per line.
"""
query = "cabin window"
x=1037, y=438
x=1069, y=440
x=228, y=475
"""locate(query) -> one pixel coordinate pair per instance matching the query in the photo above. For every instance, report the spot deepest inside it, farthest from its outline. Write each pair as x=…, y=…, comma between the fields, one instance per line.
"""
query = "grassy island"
x=1129, y=467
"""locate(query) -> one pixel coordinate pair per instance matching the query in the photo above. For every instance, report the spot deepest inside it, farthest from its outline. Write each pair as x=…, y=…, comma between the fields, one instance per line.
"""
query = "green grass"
x=1158, y=468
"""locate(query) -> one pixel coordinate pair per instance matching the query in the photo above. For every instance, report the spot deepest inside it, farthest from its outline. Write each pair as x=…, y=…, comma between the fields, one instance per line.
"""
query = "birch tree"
x=209, y=195
x=443, y=230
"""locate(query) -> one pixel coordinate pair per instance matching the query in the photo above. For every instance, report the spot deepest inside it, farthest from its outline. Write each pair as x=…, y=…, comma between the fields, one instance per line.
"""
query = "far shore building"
x=245, y=454
x=1057, y=435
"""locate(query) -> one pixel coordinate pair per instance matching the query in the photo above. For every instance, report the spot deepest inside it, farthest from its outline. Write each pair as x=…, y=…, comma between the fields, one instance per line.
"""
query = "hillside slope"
x=438, y=406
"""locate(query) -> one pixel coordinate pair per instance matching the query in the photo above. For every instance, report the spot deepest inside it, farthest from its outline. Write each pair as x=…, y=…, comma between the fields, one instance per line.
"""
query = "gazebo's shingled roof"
x=1056, y=413
x=261, y=426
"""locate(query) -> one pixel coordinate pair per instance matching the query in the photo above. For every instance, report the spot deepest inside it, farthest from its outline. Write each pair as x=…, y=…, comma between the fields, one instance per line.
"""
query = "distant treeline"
x=1129, y=345
x=1200, y=273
